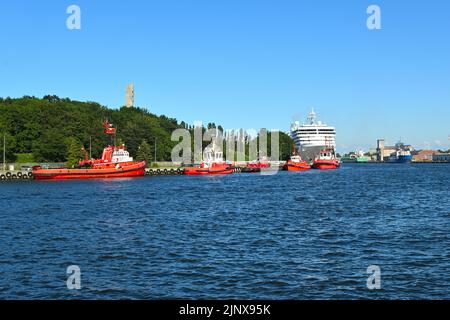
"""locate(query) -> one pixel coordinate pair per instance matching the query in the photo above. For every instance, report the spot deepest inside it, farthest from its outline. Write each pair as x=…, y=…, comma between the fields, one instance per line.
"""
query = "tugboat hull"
x=194, y=171
x=296, y=163
x=401, y=159
x=324, y=165
x=255, y=167
x=297, y=167
x=134, y=170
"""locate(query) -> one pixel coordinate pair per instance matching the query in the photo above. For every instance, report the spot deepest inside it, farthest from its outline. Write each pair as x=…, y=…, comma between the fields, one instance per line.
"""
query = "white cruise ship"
x=312, y=136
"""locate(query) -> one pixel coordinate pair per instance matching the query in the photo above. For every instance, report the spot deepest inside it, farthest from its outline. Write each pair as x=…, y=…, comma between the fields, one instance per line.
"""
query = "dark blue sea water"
x=308, y=235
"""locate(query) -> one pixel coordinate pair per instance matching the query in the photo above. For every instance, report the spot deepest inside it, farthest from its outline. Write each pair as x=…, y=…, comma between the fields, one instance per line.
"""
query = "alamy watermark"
x=374, y=20
x=73, y=22
x=74, y=280
x=374, y=279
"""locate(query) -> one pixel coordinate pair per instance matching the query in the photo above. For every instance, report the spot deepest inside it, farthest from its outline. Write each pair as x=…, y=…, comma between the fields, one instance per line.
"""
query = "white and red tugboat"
x=212, y=164
x=326, y=160
x=114, y=163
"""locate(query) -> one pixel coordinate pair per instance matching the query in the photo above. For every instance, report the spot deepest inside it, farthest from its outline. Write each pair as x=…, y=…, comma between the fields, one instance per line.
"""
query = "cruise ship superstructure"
x=312, y=136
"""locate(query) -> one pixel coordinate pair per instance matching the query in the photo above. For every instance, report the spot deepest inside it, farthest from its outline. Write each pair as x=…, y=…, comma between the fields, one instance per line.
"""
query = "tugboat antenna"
x=115, y=141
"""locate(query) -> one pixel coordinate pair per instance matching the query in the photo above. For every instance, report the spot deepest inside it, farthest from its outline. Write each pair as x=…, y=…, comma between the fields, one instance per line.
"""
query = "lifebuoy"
x=8, y=174
x=2, y=177
x=30, y=174
x=14, y=177
x=19, y=174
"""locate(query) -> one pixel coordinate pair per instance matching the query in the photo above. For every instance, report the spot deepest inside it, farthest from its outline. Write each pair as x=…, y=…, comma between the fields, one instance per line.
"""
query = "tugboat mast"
x=110, y=130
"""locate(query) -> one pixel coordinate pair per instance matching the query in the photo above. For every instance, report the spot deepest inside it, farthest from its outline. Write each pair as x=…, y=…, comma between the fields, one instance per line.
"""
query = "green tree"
x=285, y=144
x=144, y=152
x=133, y=133
x=50, y=147
x=75, y=152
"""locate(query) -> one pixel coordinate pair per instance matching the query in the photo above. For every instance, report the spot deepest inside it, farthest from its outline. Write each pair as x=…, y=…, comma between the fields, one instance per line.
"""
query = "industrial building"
x=441, y=157
x=424, y=156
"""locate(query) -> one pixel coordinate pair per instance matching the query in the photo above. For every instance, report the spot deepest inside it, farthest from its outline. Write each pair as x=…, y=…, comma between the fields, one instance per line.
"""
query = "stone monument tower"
x=129, y=96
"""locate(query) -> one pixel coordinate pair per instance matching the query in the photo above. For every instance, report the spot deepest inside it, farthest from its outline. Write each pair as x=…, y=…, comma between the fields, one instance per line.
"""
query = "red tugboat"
x=115, y=163
x=295, y=163
x=213, y=164
x=326, y=160
x=256, y=166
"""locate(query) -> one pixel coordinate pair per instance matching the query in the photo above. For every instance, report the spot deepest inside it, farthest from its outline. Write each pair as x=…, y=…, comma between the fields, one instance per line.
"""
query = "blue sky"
x=245, y=63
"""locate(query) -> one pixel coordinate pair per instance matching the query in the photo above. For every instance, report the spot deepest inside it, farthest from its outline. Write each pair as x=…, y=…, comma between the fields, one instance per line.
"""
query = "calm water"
x=290, y=236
